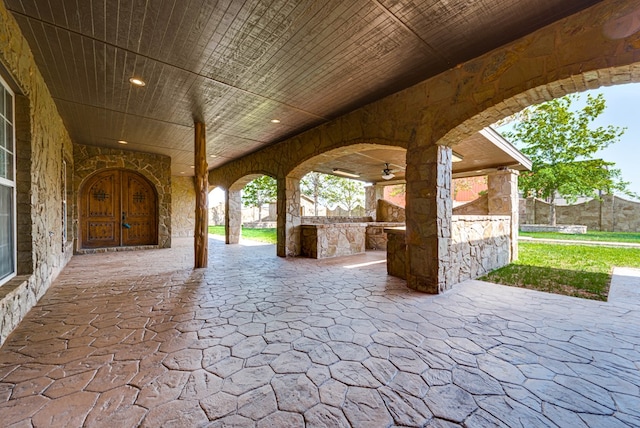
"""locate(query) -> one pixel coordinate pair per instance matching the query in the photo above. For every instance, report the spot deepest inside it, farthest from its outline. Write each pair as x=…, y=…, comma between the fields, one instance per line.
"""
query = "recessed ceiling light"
x=181, y=172
x=192, y=166
x=137, y=81
x=212, y=156
x=122, y=142
x=275, y=121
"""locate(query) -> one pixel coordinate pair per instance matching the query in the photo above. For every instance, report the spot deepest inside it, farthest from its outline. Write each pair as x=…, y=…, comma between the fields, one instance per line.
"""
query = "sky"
x=622, y=110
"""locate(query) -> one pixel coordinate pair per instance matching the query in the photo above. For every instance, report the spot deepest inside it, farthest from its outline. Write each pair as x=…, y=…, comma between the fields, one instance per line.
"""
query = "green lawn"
x=589, y=236
x=267, y=235
x=573, y=270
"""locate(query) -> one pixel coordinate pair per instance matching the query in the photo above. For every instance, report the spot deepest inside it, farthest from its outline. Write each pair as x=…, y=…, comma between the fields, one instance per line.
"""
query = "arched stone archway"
x=233, y=207
x=117, y=208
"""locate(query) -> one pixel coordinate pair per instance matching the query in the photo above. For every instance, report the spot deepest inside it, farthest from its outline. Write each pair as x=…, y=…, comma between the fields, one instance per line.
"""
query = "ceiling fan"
x=387, y=173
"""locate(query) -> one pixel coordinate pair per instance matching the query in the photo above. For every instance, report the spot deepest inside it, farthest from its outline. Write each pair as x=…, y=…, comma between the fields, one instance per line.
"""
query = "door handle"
x=124, y=224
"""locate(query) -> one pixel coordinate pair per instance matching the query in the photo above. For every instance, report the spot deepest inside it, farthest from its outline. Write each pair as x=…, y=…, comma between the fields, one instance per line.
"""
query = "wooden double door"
x=118, y=207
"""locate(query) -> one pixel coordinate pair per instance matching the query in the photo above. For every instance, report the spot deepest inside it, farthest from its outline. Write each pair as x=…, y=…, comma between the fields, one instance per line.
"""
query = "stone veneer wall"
x=42, y=144
x=155, y=168
x=183, y=196
x=320, y=241
x=478, y=206
x=388, y=211
x=612, y=214
x=479, y=244
x=377, y=238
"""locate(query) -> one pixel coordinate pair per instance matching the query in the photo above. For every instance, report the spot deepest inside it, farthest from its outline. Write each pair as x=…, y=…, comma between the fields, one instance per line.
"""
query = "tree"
x=344, y=191
x=561, y=143
x=315, y=186
x=258, y=192
x=329, y=189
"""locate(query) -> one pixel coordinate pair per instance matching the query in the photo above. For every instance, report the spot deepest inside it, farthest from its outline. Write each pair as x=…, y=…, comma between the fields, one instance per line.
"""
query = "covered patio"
x=294, y=342
x=119, y=116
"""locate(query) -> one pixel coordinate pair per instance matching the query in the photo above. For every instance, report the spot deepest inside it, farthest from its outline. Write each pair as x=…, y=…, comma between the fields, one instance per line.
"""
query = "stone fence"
x=610, y=214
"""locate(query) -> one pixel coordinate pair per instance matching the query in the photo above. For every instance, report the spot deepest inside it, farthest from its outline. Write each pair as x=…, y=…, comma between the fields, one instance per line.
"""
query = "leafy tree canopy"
x=259, y=191
x=562, y=142
x=327, y=189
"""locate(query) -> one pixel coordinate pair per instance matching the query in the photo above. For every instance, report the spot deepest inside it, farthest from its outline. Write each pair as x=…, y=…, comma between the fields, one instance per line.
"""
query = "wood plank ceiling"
x=239, y=64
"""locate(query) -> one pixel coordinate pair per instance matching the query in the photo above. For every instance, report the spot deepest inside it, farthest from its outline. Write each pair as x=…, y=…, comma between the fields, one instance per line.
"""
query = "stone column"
x=289, y=218
x=232, y=216
x=502, y=194
x=371, y=195
x=370, y=201
x=428, y=212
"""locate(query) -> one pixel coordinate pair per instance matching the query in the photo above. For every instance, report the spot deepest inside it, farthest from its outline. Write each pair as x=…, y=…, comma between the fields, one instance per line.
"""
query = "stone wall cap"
x=334, y=225
x=12, y=285
x=396, y=230
x=462, y=217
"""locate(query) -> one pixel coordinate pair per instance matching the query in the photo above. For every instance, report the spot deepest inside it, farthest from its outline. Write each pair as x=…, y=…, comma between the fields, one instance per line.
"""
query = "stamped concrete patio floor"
x=140, y=338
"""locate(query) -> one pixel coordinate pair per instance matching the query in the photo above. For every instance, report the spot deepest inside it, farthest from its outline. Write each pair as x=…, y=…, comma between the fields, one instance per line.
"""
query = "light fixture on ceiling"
x=137, y=81
x=345, y=173
x=122, y=142
x=387, y=174
x=275, y=120
x=455, y=157
x=212, y=156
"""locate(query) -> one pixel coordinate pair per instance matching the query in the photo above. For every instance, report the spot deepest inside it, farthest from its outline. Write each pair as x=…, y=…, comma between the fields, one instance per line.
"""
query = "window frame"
x=11, y=183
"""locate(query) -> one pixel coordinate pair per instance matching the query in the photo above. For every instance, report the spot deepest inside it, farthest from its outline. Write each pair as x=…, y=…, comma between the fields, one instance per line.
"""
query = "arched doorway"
x=118, y=207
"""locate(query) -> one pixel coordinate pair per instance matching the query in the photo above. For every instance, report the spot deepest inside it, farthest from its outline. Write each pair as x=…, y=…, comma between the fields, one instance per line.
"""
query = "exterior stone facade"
x=155, y=168
x=43, y=148
x=183, y=196
x=611, y=214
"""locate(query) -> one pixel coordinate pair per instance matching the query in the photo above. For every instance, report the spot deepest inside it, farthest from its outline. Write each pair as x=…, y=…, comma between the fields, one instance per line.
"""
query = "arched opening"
x=118, y=208
x=216, y=200
x=250, y=205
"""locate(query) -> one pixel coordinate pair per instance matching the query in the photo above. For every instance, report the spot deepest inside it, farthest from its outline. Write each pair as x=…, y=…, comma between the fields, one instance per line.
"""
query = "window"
x=7, y=186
